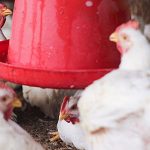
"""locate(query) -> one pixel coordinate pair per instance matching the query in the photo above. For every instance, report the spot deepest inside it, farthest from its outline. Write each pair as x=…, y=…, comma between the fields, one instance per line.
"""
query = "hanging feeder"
x=62, y=43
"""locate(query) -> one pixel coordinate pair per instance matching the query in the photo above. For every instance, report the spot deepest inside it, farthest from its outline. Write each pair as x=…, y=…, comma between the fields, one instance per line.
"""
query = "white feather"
x=72, y=134
x=140, y=51
x=48, y=100
x=13, y=137
x=6, y=29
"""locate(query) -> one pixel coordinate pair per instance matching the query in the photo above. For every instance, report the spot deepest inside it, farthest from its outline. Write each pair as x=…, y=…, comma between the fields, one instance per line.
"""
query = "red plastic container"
x=65, y=36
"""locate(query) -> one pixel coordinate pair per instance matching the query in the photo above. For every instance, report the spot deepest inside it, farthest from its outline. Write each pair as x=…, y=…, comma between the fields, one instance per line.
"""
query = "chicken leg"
x=55, y=136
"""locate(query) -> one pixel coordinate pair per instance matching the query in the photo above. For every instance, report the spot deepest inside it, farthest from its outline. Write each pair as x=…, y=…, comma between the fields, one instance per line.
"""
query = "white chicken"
x=4, y=12
x=48, y=100
x=68, y=126
x=12, y=136
x=114, y=110
x=8, y=24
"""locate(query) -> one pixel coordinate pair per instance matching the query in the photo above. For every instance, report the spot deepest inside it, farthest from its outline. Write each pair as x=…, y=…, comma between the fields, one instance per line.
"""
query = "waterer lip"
x=61, y=79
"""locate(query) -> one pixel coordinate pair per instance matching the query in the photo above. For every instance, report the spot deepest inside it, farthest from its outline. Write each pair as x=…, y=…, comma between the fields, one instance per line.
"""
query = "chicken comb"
x=130, y=24
x=2, y=5
x=64, y=103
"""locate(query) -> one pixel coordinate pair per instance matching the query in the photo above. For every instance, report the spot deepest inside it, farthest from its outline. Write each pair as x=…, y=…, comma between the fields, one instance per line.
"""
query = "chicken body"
x=119, y=114
x=71, y=134
x=6, y=30
x=13, y=137
x=48, y=100
x=8, y=24
x=114, y=110
x=4, y=11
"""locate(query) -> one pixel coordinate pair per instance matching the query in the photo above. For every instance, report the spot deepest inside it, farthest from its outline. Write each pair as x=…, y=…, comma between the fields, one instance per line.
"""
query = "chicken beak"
x=114, y=37
x=63, y=116
x=17, y=103
x=6, y=12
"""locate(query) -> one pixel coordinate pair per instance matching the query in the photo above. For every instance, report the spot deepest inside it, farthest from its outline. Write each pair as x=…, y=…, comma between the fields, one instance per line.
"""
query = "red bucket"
x=65, y=34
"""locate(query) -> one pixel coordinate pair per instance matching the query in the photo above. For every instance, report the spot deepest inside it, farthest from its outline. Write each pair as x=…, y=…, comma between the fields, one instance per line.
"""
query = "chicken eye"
x=4, y=99
x=125, y=37
x=74, y=107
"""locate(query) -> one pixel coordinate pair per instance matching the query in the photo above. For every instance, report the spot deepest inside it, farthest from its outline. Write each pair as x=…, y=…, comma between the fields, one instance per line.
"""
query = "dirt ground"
x=40, y=127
